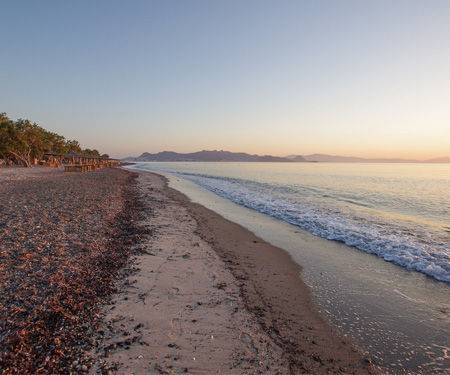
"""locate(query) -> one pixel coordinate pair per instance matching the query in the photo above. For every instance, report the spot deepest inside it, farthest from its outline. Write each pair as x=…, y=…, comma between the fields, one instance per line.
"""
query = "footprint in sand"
x=173, y=293
x=175, y=330
x=247, y=343
x=231, y=303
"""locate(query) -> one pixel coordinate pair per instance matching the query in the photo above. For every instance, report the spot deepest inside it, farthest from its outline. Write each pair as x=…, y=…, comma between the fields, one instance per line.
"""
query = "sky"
x=353, y=78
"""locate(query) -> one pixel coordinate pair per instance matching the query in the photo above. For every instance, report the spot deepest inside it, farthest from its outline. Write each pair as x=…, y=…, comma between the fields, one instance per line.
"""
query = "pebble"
x=55, y=227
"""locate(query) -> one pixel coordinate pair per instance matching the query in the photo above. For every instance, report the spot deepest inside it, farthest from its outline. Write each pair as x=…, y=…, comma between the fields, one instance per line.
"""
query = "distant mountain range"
x=226, y=156
x=349, y=159
x=210, y=156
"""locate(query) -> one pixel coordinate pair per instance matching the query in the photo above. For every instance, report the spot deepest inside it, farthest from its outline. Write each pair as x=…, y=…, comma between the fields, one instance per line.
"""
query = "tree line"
x=22, y=141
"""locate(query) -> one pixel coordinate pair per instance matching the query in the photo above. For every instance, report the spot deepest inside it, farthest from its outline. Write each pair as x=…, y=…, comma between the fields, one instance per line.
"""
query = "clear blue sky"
x=355, y=78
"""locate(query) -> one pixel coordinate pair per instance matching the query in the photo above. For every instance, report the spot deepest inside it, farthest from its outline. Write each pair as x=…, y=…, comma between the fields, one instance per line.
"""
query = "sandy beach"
x=210, y=297
x=160, y=285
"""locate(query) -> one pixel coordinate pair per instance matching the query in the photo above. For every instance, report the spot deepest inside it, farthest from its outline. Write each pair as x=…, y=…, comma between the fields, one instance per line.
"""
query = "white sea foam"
x=391, y=241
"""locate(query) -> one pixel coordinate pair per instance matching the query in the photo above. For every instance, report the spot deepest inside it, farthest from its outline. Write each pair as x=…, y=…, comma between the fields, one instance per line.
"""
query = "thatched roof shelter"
x=76, y=158
x=51, y=156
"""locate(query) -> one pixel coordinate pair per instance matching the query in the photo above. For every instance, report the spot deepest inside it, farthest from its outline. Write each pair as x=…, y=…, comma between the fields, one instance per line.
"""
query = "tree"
x=28, y=142
x=21, y=141
x=93, y=152
x=73, y=146
x=56, y=143
x=7, y=135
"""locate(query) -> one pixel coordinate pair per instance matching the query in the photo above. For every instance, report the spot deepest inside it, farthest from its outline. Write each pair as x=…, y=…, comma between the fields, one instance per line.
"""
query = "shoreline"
x=264, y=318
x=120, y=273
x=378, y=304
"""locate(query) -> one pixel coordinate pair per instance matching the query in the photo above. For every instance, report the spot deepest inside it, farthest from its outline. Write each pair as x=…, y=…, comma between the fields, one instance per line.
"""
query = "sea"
x=374, y=240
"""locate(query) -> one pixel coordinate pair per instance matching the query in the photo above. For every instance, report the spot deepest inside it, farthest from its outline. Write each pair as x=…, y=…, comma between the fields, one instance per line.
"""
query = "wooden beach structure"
x=51, y=160
x=84, y=163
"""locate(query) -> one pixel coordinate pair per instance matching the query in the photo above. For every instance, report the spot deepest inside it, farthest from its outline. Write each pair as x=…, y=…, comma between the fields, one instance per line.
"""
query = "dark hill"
x=208, y=156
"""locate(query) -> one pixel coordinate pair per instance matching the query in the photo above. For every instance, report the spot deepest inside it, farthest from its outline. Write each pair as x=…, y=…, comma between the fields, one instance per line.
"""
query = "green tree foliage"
x=21, y=141
x=73, y=146
x=7, y=136
x=30, y=142
x=93, y=152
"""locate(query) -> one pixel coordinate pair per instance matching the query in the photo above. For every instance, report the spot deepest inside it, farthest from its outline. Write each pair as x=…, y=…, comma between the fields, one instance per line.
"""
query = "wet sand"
x=208, y=296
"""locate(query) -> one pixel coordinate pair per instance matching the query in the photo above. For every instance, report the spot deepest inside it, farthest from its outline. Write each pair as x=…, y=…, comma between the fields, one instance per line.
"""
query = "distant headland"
x=227, y=156
x=210, y=156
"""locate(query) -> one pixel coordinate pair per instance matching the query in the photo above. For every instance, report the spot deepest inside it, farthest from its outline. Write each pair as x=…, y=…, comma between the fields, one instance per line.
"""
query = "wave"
x=407, y=246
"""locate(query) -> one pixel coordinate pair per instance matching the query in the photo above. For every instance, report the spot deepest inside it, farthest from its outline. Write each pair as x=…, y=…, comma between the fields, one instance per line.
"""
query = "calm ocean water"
x=400, y=212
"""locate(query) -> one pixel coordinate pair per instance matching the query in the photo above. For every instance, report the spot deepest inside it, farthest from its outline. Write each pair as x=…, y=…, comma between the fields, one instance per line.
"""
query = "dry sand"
x=208, y=297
